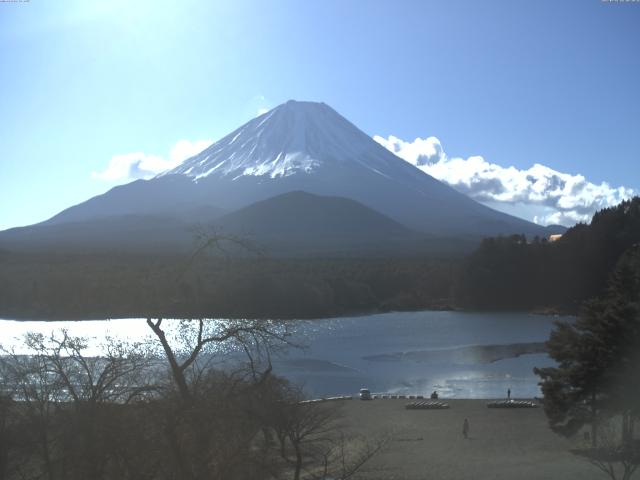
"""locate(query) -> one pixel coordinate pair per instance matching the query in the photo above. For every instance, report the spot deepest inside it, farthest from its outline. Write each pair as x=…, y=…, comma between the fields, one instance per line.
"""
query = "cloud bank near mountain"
x=136, y=165
x=566, y=198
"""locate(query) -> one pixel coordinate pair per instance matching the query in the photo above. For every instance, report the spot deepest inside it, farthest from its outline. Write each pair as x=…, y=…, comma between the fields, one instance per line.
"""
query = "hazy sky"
x=90, y=87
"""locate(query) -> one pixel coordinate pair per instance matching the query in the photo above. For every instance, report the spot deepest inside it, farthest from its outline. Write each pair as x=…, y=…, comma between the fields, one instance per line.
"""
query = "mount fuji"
x=296, y=147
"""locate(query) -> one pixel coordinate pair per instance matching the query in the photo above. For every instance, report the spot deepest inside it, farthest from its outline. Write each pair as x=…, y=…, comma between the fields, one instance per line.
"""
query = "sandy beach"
x=428, y=444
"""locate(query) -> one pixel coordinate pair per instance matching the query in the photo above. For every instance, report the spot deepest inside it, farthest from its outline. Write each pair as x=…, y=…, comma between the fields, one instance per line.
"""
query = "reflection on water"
x=96, y=331
x=464, y=355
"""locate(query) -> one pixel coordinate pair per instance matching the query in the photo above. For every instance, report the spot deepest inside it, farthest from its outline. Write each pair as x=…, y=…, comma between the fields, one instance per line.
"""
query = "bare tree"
x=312, y=443
x=210, y=429
x=616, y=455
x=117, y=374
x=39, y=393
x=256, y=338
x=69, y=400
x=347, y=456
x=7, y=433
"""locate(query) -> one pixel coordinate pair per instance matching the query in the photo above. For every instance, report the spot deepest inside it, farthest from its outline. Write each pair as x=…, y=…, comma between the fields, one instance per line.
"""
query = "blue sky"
x=498, y=84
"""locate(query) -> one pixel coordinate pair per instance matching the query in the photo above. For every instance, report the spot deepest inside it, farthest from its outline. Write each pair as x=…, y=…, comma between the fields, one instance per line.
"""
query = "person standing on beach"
x=509, y=394
x=465, y=428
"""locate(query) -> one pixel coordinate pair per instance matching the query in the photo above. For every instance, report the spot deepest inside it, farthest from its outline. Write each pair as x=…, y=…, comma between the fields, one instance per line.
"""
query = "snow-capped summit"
x=295, y=137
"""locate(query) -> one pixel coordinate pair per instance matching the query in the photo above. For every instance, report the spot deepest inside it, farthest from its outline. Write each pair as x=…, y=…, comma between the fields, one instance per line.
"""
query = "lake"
x=459, y=354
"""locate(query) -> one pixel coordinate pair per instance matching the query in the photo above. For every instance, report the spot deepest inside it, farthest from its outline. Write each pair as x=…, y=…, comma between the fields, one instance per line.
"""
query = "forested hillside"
x=514, y=273
x=52, y=286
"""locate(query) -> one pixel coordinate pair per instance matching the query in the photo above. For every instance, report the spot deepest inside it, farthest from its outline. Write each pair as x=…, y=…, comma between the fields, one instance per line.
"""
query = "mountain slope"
x=118, y=233
x=304, y=146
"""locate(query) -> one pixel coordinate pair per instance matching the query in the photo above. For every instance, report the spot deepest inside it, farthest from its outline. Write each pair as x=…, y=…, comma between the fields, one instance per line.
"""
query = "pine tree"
x=598, y=359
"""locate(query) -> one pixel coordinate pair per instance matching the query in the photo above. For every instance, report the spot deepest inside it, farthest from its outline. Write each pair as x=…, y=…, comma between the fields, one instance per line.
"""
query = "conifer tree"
x=598, y=360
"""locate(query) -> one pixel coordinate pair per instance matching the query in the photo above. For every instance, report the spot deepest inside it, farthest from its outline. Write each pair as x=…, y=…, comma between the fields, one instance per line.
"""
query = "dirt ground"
x=513, y=444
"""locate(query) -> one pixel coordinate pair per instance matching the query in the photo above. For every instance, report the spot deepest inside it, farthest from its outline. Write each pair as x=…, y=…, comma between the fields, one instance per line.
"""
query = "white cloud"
x=261, y=111
x=567, y=197
x=132, y=166
x=184, y=149
x=560, y=218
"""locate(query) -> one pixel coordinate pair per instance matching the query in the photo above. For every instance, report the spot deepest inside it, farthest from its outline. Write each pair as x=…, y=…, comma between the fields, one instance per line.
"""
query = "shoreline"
x=359, y=314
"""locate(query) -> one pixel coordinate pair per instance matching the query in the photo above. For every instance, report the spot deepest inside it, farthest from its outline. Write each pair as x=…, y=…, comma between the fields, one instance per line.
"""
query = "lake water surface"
x=461, y=355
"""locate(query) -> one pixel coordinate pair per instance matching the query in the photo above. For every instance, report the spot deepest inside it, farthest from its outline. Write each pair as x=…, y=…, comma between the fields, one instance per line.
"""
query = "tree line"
x=62, y=286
